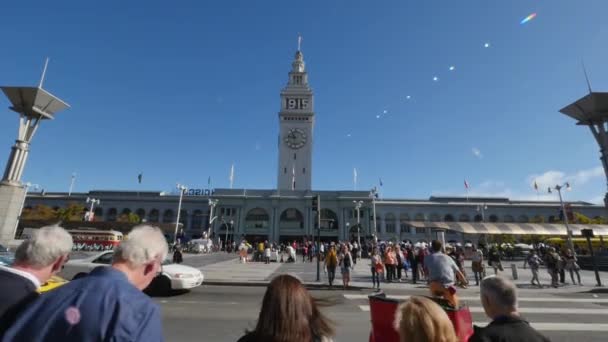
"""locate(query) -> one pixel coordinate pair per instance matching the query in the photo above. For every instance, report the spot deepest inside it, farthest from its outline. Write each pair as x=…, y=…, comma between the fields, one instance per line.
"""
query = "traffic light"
x=316, y=202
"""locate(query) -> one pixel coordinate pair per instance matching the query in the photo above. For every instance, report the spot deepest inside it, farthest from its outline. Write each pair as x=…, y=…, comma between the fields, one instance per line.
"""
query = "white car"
x=172, y=276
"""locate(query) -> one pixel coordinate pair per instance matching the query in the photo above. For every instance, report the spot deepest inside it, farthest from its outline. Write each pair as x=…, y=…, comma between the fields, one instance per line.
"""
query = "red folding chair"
x=382, y=311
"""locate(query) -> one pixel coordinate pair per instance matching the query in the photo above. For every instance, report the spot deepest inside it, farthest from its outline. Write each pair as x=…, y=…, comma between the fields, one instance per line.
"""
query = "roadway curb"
x=315, y=286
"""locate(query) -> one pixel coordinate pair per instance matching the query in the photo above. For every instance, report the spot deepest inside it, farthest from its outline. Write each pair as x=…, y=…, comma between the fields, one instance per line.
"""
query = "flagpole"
x=72, y=184
x=355, y=178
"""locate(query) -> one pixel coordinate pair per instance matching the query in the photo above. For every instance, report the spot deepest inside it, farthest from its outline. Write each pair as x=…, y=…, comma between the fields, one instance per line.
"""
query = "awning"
x=511, y=228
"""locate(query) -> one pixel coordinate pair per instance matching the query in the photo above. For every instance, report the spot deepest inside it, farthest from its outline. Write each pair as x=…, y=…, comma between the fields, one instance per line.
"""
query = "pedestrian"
x=267, y=255
x=572, y=266
x=399, y=265
x=304, y=252
x=534, y=261
x=355, y=252
x=562, y=267
x=413, y=259
x=346, y=264
x=108, y=304
x=389, y=262
x=376, y=268
x=419, y=319
x=36, y=261
x=477, y=264
x=331, y=262
x=420, y=261
x=499, y=300
x=552, y=260
x=290, y=313
x=443, y=274
x=494, y=260
x=177, y=255
x=322, y=251
x=311, y=251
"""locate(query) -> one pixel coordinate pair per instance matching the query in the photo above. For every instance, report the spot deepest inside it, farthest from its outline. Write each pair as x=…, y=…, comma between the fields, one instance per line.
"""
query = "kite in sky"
x=528, y=18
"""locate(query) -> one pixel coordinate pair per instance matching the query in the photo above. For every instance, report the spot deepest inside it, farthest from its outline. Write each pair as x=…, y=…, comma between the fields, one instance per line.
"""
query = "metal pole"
x=375, y=225
x=568, y=231
x=359, y=225
x=179, y=210
x=319, y=241
x=594, y=261
x=72, y=184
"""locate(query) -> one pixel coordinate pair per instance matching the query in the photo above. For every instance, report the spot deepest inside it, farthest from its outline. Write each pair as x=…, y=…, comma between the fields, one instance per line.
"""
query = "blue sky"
x=180, y=90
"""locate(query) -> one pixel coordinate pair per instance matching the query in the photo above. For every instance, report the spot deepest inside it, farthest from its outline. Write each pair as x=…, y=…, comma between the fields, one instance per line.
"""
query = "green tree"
x=582, y=219
x=129, y=218
x=39, y=212
x=74, y=212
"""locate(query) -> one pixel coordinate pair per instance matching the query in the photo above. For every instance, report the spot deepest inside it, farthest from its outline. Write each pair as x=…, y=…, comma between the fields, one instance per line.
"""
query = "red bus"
x=94, y=239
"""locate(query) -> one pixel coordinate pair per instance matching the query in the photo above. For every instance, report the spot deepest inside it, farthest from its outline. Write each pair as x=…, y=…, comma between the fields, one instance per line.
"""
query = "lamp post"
x=26, y=186
x=93, y=202
x=358, y=205
x=561, y=203
x=374, y=194
x=227, y=229
x=181, y=189
x=212, y=204
x=34, y=105
x=348, y=230
x=483, y=209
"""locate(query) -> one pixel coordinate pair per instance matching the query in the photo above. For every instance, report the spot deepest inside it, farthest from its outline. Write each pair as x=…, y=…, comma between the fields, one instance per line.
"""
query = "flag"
x=466, y=184
x=535, y=186
x=355, y=177
x=139, y=177
x=231, y=175
x=380, y=179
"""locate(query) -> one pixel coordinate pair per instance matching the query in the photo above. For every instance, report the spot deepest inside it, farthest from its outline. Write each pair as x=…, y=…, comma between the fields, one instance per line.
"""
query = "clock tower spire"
x=296, y=123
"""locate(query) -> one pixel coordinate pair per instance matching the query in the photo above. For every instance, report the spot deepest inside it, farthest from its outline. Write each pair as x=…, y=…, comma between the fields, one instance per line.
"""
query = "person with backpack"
x=346, y=264
x=331, y=262
x=552, y=261
x=534, y=261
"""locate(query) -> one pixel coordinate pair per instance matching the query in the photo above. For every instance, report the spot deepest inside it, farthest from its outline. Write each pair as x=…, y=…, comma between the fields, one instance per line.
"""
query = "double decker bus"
x=95, y=239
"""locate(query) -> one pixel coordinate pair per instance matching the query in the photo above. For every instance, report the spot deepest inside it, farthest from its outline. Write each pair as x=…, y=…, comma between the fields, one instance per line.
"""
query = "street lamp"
x=483, y=209
x=358, y=205
x=227, y=229
x=348, y=230
x=374, y=194
x=561, y=202
x=93, y=201
x=26, y=186
x=212, y=204
x=182, y=189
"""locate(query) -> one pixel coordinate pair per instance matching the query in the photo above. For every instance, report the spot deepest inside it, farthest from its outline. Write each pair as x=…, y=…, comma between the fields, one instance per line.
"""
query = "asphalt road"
x=222, y=313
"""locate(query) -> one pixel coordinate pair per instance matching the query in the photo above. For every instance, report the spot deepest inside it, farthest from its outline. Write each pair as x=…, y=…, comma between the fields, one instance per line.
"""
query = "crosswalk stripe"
x=521, y=299
x=562, y=326
x=549, y=311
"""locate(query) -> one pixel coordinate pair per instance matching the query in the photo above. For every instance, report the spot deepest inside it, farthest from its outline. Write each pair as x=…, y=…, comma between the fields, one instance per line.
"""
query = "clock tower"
x=296, y=123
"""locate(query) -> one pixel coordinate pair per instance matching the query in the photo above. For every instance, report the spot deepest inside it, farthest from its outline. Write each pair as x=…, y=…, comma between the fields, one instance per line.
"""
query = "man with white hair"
x=499, y=300
x=106, y=305
x=36, y=260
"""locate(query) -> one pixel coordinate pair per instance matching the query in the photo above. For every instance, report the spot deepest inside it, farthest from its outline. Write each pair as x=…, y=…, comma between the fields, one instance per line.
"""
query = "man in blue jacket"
x=106, y=305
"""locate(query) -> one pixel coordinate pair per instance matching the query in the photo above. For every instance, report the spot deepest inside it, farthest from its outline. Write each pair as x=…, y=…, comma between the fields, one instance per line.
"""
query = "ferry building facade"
x=285, y=213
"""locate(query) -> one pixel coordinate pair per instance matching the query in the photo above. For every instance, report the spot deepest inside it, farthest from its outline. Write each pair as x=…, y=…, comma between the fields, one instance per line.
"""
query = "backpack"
x=346, y=261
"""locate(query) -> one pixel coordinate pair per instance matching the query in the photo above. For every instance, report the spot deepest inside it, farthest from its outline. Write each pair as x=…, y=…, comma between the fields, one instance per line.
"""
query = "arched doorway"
x=153, y=216
x=292, y=218
x=329, y=220
x=257, y=218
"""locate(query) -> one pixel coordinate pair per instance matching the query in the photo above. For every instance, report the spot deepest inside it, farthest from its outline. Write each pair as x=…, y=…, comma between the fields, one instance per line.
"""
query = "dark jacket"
x=16, y=293
x=13, y=289
x=507, y=329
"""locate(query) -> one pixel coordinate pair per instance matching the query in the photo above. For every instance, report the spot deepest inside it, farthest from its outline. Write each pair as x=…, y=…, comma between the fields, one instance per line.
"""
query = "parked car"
x=171, y=277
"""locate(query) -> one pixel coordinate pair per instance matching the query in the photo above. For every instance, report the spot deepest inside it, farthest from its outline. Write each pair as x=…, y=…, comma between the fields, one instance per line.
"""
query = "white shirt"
x=23, y=274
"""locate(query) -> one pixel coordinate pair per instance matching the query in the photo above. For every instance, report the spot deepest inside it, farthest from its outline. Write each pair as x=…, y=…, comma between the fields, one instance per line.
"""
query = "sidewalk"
x=232, y=272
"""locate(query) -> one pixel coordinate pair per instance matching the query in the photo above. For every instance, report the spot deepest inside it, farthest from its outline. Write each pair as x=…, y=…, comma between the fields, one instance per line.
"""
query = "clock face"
x=295, y=138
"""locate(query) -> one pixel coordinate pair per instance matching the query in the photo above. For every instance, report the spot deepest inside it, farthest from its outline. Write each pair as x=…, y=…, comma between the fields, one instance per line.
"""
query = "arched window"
x=98, y=213
x=125, y=211
x=329, y=219
x=403, y=222
x=493, y=218
x=257, y=218
x=478, y=218
x=292, y=218
x=183, y=218
x=464, y=218
x=141, y=213
x=168, y=216
x=419, y=217
x=448, y=218
x=508, y=219
x=390, y=223
x=153, y=216
x=523, y=219
x=435, y=218
x=111, y=215
x=197, y=219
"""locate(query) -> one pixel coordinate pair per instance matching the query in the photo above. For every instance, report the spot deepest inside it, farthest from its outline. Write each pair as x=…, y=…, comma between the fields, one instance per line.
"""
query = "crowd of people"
x=109, y=304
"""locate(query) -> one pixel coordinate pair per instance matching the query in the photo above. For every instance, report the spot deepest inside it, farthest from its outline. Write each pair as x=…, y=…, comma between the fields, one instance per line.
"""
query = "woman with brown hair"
x=289, y=314
x=421, y=320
